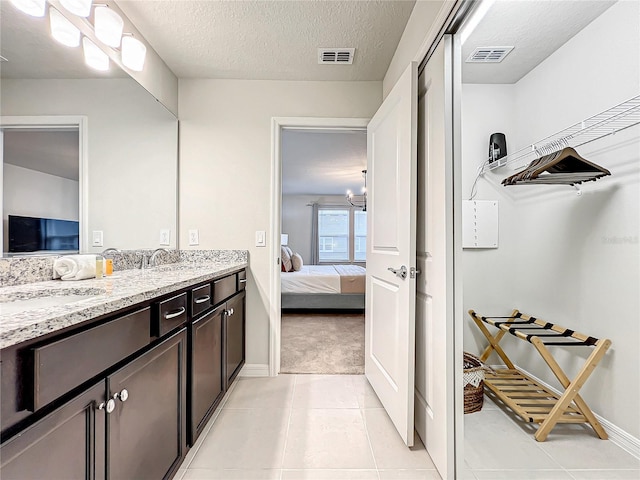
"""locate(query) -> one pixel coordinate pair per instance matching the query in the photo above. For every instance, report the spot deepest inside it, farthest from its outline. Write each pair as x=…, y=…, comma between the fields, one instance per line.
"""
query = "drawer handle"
x=109, y=406
x=174, y=313
x=123, y=395
x=243, y=281
x=206, y=298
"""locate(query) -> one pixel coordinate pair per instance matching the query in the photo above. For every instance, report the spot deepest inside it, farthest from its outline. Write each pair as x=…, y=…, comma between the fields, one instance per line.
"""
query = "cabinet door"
x=235, y=325
x=147, y=429
x=69, y=443
x=207, y=380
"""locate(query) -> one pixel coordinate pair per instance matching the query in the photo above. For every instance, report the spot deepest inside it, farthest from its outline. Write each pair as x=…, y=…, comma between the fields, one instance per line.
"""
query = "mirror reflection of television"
x=32, y=234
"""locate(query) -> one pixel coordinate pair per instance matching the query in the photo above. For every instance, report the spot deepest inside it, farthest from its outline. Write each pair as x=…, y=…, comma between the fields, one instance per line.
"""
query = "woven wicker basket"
x=473, y=396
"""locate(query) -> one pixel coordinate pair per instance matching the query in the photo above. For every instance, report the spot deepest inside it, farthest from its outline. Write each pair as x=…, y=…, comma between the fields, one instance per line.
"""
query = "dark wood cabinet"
x=69, y=443
x=235, y=336
x=207, y=381
x=147, y=428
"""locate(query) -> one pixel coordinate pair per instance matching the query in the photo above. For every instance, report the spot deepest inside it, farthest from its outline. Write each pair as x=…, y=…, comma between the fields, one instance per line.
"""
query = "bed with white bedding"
x=324, y=287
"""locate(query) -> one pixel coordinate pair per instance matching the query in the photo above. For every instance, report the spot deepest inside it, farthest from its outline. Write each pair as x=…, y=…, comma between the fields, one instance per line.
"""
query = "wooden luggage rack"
x=526, y=397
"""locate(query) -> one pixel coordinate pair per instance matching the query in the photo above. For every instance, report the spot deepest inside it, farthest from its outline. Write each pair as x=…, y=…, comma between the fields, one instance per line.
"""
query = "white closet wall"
x=572, y=260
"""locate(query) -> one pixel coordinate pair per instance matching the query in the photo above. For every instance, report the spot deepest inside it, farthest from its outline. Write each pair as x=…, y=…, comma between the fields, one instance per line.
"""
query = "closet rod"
x=603, y=124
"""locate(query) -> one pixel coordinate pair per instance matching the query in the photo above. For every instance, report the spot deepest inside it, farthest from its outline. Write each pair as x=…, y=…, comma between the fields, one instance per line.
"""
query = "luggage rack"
x=529, y=399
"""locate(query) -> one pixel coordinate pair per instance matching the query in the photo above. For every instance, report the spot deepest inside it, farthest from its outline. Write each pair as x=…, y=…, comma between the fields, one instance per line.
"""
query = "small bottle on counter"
x=99, y=266
x=108, y=267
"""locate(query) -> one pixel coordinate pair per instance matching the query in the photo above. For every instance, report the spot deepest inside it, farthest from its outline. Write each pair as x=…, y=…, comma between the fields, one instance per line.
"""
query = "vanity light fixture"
x=93, y=56
x=133, y=53
x=362, y=202
x=35, y=8
x=62, y=29
x=108, y=25
x=81, y=8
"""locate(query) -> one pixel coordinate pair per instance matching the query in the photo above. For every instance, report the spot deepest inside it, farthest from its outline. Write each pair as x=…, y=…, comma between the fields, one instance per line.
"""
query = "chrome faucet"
x=152, y=258
x=110, y=250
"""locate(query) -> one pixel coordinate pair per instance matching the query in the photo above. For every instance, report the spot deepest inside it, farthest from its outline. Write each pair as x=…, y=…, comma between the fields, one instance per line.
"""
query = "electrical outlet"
x=165, y=236
x=97, y=238
x=261, y=238
x=194, y=238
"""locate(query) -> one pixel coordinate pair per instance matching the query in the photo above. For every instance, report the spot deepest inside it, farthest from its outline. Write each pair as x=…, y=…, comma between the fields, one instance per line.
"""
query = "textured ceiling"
x=275, y=40
x=32, y=52
x=535, y=28
x=323, y=162
x=52, y=152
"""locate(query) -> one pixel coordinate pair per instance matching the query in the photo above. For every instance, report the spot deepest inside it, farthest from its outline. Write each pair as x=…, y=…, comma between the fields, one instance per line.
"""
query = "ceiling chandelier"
x=359, y=201
x=108, y=28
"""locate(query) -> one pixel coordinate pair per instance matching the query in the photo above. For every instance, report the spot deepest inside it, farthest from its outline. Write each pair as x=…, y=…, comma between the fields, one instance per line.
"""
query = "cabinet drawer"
x=200, y=299
x=60, y=366
x=224, y=288
x=242, y=280
x=171, y=314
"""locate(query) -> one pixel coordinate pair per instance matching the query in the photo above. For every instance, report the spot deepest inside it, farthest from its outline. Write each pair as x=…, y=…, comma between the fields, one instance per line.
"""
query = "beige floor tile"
x=180, y=473
x=244, y=439
x=389, y=450
x=324, y=391
x=330, y=474
x=605, y=474
x=212, y=474
x=327, y=438
x=365, y=395
x=263, y=392
x=409, y=475
x=522, y=475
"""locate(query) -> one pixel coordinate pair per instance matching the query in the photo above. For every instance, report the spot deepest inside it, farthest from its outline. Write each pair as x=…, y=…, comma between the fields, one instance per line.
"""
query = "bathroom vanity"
x=119, y=384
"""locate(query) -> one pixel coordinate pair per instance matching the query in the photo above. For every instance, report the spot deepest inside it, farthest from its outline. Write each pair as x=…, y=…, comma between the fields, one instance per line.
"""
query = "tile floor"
x=332, y=427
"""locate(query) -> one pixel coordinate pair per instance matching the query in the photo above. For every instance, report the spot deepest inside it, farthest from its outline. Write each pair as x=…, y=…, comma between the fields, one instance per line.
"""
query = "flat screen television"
x=32, y=234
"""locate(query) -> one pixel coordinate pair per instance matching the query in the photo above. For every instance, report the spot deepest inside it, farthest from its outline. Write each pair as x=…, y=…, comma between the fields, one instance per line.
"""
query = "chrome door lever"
x=401, y=272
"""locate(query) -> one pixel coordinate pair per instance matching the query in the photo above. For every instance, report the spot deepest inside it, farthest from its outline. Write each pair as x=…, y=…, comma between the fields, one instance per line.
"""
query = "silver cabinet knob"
x=109, y=406
x=123, y=395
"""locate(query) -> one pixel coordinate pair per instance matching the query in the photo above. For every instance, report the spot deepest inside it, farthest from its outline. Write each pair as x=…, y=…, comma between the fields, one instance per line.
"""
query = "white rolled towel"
x=74, y=267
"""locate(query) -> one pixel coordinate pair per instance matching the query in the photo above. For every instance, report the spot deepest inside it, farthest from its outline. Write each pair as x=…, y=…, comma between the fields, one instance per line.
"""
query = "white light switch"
x=165, y=236
x=194, y=237
x=97, y=238
x=261, y=238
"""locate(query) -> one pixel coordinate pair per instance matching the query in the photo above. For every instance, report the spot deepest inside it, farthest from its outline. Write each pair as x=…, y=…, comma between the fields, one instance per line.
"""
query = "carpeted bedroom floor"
x=322, y=343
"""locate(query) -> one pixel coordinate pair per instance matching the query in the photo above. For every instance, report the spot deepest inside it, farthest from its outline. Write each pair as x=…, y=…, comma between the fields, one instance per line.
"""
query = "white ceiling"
x=31, y=52
x=47, y=151
x=271, y=39
x=323, y=162
x=535, y=28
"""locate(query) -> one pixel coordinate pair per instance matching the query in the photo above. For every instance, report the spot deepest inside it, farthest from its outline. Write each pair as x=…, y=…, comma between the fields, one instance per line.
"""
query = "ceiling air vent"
x=336, y=56
x=489, y=54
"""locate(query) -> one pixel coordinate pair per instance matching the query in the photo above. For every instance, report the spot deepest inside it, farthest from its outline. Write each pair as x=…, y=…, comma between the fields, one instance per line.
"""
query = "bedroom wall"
x=573, y=260
x=225, y=167
x=297, y=220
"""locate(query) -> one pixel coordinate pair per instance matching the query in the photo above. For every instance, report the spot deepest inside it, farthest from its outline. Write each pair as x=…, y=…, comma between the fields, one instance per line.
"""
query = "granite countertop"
x=91, y=298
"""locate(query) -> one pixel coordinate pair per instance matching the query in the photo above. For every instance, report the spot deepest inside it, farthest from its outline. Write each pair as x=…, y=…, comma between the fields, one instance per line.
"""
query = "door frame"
x=81, y=122
x=278, y=124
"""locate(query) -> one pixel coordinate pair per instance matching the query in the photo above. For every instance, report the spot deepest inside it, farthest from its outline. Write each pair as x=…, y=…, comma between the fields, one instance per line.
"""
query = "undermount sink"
x=22, y=301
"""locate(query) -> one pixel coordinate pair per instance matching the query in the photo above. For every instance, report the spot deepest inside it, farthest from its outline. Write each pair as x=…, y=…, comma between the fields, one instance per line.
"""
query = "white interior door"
x=391, y=244
x=434, y=309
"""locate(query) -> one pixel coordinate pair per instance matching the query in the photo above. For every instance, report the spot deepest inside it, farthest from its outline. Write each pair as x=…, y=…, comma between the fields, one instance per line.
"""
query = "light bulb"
x=81, y=8
x=35, y=8
x=62, y=29
x=133, y=53
x=93, y=56
x=108, y=25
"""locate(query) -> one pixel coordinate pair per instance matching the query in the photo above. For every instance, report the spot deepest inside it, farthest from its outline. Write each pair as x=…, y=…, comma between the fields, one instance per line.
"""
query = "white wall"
x=568, y=259
x=35, y=194
x=297, y=220
x=132, y=152
x=424, y=23
x=225, y=167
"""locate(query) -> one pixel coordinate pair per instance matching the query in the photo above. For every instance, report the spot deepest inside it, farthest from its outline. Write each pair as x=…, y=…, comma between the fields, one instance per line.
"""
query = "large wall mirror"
x=81, y=146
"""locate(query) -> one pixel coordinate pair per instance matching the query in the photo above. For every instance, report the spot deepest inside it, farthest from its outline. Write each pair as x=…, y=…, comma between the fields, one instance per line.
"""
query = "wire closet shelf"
x=608, y=122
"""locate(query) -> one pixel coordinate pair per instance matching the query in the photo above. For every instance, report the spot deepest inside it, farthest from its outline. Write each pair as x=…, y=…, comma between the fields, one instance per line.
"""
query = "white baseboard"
x=254, y=370
x=617, y=435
